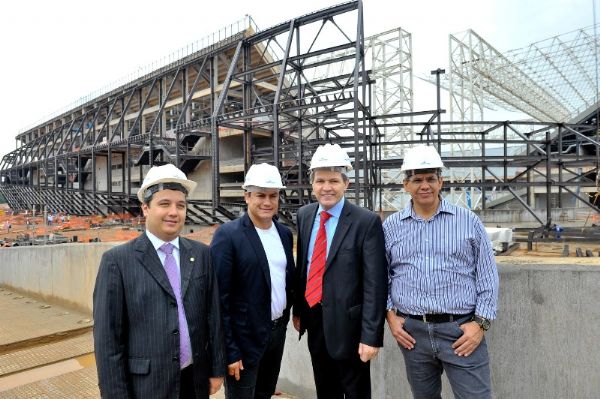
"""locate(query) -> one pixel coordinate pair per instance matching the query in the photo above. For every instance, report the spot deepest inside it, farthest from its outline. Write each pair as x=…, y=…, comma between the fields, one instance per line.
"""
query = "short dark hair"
x=410, y=173
x=150, y=191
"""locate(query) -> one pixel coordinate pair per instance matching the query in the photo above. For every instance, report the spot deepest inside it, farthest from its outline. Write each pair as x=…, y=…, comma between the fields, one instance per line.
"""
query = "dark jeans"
x=469, y=376
x=260, y=381
x=335, y=379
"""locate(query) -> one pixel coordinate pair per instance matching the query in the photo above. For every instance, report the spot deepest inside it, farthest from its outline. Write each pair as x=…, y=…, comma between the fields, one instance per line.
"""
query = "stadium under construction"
x=243, y=96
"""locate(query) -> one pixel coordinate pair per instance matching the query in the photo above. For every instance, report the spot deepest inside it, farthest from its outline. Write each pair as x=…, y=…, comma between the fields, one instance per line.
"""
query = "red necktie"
x=314, y=284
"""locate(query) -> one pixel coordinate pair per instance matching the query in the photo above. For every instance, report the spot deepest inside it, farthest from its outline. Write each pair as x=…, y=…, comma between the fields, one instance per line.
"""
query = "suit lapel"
x=287, y=246
x=256, y=244
x=340, y=232
x=146, y=256
x=307, y=226
x=186, y=264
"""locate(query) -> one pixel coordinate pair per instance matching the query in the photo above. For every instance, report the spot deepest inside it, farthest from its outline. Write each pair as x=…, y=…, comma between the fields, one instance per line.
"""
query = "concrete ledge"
x=544, y=343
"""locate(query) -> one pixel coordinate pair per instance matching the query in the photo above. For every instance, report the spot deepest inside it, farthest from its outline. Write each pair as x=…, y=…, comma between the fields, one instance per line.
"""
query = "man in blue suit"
x=254, y=263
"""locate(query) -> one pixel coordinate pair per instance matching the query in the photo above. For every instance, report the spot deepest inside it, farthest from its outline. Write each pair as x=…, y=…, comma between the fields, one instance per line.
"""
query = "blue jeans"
x=469, y=376
x=260, y=381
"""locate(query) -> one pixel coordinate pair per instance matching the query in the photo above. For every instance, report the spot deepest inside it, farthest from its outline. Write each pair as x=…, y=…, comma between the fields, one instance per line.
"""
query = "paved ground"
x=46, y=351
x=26, y=321
x=25, y=359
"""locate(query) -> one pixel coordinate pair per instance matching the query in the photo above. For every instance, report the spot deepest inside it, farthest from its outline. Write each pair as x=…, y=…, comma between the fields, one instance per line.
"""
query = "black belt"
x=435, y=317
x=278, y=322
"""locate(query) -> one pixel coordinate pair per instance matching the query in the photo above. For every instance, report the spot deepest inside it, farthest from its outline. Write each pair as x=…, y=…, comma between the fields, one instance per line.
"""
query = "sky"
x=55, y=52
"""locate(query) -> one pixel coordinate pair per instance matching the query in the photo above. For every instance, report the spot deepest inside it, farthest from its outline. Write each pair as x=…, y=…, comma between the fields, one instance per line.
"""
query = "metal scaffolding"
x=388, y=58
x=393, y=98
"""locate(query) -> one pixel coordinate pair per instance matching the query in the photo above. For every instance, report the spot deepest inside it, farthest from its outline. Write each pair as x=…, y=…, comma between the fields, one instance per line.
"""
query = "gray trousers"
x=469, y=376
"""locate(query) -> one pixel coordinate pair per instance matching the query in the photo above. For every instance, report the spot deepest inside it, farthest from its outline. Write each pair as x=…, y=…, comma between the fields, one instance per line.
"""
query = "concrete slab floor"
x=26, y=321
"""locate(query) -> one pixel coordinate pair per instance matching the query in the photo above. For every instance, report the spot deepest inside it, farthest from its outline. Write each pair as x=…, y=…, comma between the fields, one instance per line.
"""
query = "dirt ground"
x=83, y=229
x=117, y=228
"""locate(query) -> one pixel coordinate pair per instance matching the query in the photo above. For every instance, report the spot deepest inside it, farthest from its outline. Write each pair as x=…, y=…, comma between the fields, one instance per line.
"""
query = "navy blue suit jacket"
x=245, y=287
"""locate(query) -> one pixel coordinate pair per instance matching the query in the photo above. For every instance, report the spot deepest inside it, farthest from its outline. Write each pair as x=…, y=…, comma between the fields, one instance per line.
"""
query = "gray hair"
x=339, y=169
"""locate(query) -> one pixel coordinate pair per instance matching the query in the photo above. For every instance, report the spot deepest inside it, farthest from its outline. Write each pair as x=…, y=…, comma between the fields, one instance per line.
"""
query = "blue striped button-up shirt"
x=441, y=265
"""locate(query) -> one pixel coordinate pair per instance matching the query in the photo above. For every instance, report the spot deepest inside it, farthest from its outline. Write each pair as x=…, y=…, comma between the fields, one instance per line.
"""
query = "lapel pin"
x=191, y=259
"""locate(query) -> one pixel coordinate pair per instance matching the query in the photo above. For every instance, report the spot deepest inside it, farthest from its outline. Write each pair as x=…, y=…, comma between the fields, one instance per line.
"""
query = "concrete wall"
x=63, y=273
x=544, y=344
x=203, y=176
x=522, y=215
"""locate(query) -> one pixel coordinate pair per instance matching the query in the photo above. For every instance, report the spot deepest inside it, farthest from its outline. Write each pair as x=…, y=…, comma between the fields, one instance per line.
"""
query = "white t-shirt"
x=273, y=247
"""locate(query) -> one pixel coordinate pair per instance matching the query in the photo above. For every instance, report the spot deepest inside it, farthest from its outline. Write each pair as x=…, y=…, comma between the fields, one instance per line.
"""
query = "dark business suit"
x=244, y=279
x=136, y=323
x=352, y=309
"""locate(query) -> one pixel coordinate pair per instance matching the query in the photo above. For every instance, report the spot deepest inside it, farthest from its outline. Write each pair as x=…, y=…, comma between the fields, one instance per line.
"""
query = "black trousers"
x=259, y=381
x=348, y=378
x=186, y=384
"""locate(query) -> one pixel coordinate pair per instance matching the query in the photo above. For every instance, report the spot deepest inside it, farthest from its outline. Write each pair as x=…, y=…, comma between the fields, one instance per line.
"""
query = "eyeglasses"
x=417, y=181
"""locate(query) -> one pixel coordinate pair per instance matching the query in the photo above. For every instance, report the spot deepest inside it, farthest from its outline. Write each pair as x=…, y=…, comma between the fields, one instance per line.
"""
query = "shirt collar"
x=336, y=210
x=157, y=242
x=443, y=207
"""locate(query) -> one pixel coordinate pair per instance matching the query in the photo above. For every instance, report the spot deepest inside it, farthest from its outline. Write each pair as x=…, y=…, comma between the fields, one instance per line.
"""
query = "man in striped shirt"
x=442, y=287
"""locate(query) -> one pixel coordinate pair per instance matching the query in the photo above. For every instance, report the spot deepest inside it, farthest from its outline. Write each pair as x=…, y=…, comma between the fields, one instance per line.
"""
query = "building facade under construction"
x=247, y=96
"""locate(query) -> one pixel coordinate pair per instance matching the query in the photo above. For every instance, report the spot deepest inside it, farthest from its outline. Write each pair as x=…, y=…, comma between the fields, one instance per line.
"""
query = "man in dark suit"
x=341, y=289
x=255, y=266
x=157, y=324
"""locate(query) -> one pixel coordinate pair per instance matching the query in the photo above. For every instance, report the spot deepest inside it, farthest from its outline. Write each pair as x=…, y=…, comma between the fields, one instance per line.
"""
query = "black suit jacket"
x=136, y=322
x=245, y=287
x=354, y=282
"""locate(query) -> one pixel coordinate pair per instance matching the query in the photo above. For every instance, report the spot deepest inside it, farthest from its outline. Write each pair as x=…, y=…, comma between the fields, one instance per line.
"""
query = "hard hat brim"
x=249, y=187
x=189, y=185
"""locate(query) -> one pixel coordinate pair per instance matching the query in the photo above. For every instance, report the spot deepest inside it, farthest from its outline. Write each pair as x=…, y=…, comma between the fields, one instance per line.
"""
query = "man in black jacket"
x=341, y=279
x=157, y=325
x=255, y=265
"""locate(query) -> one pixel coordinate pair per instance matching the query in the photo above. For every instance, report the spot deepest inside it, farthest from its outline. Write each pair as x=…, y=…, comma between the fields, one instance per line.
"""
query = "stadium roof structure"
x=555, y=79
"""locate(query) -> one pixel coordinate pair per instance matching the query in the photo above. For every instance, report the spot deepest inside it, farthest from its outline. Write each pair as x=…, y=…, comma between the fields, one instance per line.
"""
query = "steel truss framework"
x=260, y=88
x=515, y=159
x=552, y=80
x=252, y=85
x=481, y=76
x=388, y=56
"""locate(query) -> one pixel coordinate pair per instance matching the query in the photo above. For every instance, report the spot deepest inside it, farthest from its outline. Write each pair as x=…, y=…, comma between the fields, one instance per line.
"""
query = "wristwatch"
x=484, y=323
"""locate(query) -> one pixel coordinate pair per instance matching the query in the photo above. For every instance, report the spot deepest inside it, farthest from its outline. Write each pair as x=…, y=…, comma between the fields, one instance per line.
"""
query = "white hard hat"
x=421, y=157
x=263, y=175
x=165, y=174
x=330, y=155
